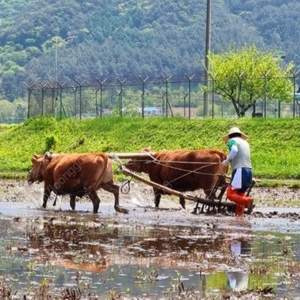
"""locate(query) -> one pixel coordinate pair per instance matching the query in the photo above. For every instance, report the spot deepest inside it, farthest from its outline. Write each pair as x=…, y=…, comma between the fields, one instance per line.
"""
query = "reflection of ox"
x=76, y=175
x=92, y=247
x=182, y=170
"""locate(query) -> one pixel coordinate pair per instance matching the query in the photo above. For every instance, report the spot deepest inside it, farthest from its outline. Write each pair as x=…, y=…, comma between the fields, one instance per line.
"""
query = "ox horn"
x=48, y=155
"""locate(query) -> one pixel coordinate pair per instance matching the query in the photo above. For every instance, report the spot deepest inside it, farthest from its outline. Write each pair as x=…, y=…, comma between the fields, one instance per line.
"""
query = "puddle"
x=154, y=254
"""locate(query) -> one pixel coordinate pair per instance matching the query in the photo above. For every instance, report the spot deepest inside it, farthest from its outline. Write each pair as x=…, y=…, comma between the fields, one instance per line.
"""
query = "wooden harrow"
x=214, y=203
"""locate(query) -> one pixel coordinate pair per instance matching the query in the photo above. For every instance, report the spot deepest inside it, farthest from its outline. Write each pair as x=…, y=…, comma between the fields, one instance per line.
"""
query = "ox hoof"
x=122, y=210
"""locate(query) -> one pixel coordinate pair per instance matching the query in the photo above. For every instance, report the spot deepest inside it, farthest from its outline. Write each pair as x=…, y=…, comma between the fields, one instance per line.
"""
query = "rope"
x=158, y=162
x=125, y=187
x=126, y=183
x=117, y=159
x=145, y=161
x=164, y=163
x=188, y=173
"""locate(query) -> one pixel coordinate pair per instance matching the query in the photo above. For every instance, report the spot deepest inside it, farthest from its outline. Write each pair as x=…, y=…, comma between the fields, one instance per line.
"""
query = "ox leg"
x=72, y=201
x=157, y=197
x=113, y=188
x=54, y=203
x=47, y=192
x=182, y=202
x=95, y=199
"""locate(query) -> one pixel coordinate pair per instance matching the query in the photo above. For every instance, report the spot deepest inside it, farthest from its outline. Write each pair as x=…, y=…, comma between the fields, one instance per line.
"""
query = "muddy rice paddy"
x=165, y=253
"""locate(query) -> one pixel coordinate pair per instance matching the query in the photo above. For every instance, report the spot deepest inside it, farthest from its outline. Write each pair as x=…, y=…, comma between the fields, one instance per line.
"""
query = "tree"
x=247, y=75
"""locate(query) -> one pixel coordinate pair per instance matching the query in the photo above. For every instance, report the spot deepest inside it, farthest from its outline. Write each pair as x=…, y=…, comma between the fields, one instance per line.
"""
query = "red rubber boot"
x=240, y=199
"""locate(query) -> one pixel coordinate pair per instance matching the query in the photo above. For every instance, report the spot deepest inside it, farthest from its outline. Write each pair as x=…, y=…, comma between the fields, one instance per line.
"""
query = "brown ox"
x=75, y=175
x=182, y=170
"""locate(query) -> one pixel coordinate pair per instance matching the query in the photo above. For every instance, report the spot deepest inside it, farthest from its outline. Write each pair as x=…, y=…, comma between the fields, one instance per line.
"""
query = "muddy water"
x=148, y=253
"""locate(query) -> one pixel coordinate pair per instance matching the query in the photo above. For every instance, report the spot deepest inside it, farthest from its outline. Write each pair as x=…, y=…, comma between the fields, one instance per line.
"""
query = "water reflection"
x=238, y=279
x=93, y=247
x=240, y=247
x=151, y=260
x=235, y=275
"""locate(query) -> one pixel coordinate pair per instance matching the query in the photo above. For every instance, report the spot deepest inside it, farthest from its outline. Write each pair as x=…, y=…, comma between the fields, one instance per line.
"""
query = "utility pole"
x=56, y=41
x=207, y=51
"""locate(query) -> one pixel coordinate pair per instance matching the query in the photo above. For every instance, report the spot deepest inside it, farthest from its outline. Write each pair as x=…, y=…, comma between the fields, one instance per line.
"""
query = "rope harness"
x=125, y=188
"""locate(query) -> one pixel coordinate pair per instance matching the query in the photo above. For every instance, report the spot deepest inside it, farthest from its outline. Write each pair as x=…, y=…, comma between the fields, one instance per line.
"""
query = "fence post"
x=75, y=99
x=143, y=95
x=213, y=95
x=43, y=95
x=101, y=97
x=97, y=89
x=265, y=93
x=294, y=91
x=121, y=96
x=80, y=98
x=184, y=103
x=162, y=102
x=61, y=107
x=167, y=95
x=28, y=105
x=189, y=79
x=53, y=99
x=29, y=91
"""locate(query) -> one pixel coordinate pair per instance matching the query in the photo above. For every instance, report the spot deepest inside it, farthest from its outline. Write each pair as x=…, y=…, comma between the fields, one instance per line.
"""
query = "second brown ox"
x=182, y=170
x=75, y=175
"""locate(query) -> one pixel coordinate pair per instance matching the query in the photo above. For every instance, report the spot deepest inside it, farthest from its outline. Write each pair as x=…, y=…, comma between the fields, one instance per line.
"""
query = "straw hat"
x=232, y=131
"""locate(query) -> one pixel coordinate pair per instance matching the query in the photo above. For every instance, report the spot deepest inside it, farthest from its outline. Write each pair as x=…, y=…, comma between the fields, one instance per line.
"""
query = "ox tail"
x=106, y=161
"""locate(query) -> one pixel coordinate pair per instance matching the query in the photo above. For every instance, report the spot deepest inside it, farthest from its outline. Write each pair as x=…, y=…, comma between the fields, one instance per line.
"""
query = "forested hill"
x=126, y=38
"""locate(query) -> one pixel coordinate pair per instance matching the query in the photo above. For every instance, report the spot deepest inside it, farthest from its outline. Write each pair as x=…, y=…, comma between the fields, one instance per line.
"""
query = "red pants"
x=240, y=199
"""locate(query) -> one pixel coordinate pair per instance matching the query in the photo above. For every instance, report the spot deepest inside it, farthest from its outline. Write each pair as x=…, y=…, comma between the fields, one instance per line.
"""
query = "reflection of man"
x=238, y=280
x=236, y=247
x=240, y=247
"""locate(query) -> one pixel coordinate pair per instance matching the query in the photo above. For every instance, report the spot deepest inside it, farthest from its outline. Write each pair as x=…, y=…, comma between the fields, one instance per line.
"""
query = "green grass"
x=275, y=143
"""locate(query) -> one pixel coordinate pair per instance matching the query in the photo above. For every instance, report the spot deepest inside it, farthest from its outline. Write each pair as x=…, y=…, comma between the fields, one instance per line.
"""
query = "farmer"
x=241, y=170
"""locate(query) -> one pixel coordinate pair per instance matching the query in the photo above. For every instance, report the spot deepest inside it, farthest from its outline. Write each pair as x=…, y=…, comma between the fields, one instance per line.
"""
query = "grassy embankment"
x=275, y=143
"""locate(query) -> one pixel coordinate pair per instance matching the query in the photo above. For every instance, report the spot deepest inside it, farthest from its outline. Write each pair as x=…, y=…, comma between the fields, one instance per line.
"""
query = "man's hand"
x=225, y=163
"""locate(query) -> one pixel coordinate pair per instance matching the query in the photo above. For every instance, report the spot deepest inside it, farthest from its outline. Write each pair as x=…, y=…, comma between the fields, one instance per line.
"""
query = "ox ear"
x=146, y=150
x=35, y=157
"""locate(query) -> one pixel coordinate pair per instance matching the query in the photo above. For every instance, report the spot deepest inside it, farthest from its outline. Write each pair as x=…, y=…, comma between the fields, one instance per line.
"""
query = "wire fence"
x=145, y=97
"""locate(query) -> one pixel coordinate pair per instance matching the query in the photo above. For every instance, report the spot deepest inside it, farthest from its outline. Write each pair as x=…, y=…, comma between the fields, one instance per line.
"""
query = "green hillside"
x=274, y=142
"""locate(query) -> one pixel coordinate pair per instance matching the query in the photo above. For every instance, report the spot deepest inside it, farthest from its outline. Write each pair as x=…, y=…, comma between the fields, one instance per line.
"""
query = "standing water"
x=146, y=254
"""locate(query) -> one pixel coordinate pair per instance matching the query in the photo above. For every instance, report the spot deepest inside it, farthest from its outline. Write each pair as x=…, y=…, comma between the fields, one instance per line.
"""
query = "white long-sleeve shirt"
x=239, y=153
